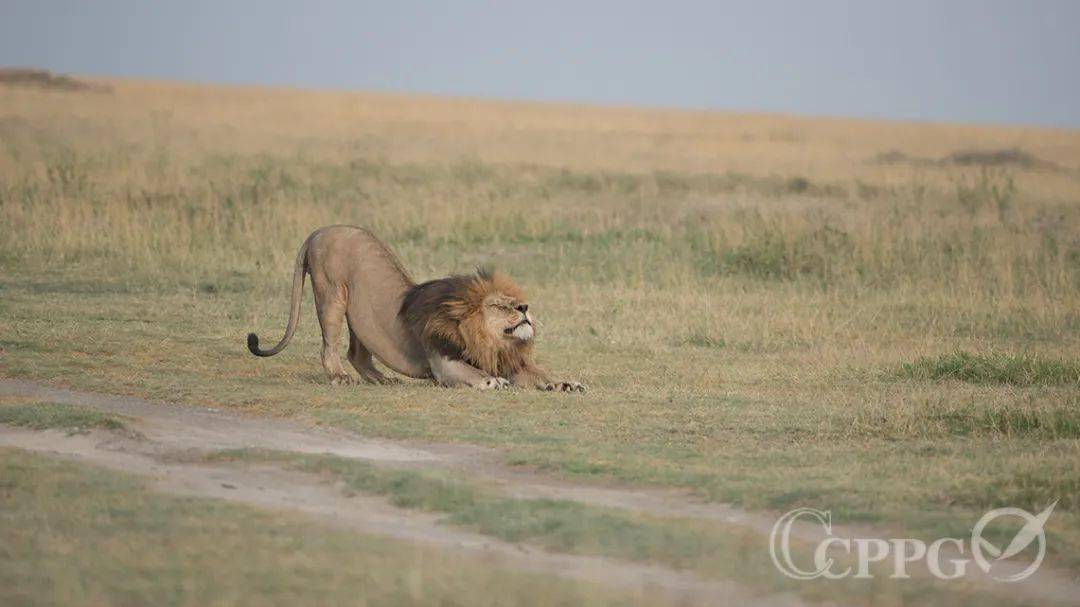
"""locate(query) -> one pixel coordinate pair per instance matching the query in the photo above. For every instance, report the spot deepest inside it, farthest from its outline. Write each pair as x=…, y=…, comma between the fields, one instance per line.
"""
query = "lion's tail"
x=294, y=312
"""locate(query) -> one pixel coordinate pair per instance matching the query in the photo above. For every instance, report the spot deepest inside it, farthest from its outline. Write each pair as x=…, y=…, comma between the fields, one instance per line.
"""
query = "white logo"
x=1030, y=532
x=904, y=551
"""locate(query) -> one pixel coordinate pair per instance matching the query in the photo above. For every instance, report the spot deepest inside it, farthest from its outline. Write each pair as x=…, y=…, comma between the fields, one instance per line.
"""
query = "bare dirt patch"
x=170, y=428
x=271, y=487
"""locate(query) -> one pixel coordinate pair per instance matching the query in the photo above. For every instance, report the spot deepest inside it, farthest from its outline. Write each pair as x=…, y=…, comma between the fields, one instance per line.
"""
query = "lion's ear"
x=486, y=272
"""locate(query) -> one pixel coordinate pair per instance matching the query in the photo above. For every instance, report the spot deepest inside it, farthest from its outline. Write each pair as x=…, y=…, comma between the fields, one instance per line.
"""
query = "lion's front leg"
x=533, y=376
x=454, y=372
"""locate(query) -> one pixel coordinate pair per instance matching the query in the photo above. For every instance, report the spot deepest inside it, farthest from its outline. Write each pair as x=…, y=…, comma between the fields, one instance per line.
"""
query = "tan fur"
x=462, y=330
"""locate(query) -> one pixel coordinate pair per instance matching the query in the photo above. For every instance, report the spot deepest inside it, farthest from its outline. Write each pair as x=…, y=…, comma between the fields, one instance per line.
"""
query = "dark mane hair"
x=426, y=300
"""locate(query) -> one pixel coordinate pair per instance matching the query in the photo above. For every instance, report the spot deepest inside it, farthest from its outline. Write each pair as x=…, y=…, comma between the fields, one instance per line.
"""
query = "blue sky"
x=986, y=61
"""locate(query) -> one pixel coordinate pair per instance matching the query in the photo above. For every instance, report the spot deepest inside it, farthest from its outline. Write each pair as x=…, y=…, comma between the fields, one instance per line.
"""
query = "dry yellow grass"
x=191, y=120
x=740, y=291
x=141, y=145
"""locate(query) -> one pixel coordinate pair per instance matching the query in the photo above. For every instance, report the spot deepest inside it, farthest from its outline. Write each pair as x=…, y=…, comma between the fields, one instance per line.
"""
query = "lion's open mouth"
x=510, y=330
x=522, y=331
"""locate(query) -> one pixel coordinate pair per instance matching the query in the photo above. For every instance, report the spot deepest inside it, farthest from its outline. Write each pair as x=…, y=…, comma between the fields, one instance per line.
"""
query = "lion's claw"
x=564, y=386
x=494, y=383
x=342, y=380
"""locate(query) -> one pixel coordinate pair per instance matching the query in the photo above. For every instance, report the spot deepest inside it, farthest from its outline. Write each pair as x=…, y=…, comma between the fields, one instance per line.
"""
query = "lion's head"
x=483, y=318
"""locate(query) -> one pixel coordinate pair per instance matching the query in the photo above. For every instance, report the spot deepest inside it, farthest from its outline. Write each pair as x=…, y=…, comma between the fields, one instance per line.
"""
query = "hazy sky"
x=973, y=61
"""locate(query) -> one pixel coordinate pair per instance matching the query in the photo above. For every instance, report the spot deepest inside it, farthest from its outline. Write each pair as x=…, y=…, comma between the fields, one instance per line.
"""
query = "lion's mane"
x=447, y=314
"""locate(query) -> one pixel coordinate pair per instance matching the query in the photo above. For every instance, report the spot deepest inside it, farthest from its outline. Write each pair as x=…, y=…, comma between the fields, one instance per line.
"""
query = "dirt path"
x=168, y=428
x=270, y=487
x=180, y=427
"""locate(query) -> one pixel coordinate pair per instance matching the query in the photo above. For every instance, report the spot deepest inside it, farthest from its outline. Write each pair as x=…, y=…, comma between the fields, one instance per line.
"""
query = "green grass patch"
x=558, y=525
x=406, y=488
x=44, y=416
x=1010, y=369
x=941, y=418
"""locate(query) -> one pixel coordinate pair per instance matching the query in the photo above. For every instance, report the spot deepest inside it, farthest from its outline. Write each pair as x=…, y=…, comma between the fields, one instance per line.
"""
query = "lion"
x=465, y=330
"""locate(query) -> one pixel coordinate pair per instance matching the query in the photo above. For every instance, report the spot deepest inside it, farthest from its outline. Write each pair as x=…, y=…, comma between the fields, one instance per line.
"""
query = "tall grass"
x=244, y=216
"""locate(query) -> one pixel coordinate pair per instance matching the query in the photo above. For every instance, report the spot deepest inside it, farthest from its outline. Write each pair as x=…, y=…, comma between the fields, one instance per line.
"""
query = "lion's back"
x=345, y=254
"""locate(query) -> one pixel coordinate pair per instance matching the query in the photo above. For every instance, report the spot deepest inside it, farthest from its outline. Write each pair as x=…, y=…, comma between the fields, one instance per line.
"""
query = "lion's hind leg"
x=330, y=308
x=360, y=358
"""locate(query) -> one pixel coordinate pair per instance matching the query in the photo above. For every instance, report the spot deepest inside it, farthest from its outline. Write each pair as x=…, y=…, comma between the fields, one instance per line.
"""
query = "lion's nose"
x=523, y=308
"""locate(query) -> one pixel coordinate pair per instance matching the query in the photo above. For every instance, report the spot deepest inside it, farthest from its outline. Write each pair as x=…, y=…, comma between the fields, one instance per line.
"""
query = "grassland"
x=769, y=310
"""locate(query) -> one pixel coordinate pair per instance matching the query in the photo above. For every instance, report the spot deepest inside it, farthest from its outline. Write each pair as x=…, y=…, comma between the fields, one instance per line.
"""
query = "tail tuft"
x=253, y=344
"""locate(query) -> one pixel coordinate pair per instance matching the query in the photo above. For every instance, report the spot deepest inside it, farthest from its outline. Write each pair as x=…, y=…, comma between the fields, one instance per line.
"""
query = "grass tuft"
x=1015, y=370
x=701, y=339
x=944, y=417
x=44, y=416
x=1000, y=157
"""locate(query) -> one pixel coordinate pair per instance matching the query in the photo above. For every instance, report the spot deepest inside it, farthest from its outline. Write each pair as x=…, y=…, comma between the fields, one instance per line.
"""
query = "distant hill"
x=45, y=79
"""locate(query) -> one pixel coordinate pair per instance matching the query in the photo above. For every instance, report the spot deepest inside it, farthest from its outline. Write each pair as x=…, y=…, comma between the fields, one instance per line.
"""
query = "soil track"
x=167, y=429
x=170, y=428
x=270, y=487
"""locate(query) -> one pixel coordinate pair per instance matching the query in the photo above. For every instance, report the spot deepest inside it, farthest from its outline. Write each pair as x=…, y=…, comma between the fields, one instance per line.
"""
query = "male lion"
x=474, y=330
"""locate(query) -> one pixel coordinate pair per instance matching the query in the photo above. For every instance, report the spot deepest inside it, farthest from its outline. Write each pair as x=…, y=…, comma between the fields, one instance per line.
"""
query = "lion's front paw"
x=494, y=383
x=342, y=380
x=380, y=380
x=563, y=386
